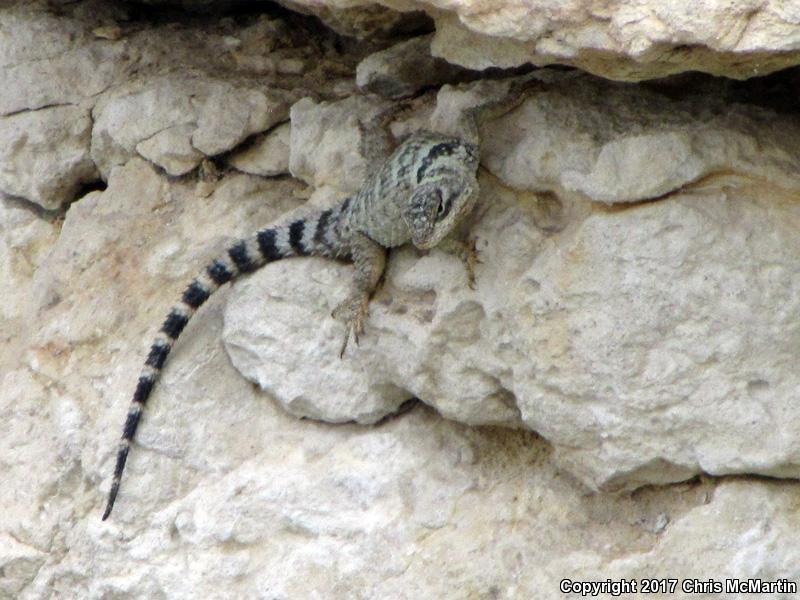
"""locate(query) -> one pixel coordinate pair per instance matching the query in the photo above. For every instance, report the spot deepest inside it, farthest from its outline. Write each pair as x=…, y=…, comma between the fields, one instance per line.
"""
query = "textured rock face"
x=267, y=156
x=45, y=154
x=634, y=322
x=620, y=143
x=623, y=39
x=620, y=39
x=628, y=40
x=405, y=69
x=189, y=120
x=77, y=103
x=648, y=342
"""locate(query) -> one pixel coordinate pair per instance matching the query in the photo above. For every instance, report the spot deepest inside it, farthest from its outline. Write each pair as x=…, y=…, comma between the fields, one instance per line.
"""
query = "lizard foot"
x=467, y=253
x=353, y=312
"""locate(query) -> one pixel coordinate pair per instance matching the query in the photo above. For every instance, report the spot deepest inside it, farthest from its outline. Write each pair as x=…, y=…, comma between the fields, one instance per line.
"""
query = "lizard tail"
x=315, y=235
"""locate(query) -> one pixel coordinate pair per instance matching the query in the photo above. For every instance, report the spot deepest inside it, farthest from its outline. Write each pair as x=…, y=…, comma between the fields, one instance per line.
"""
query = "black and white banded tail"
x=317, y=235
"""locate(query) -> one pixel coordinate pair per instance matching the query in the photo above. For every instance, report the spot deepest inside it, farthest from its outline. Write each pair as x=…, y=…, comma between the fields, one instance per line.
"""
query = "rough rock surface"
x=190, y=118
x=268, y=155
x=623, y=39
x=630, y=40
x=326, y=138
x=619, y=39
x=406, y=68
x=75, y=94
x=647, y=343
x=620, y=143
x=45, y=154
x=636, y=307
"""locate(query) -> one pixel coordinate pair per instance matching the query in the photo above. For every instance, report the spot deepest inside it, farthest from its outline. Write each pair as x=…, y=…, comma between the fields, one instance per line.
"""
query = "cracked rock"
x=44, y=154
x=267, y=156
x=188, y=118
x=623, y=40
x=43, y=55
x=406, y=68
x=634, y=320
x=172, y=149
x=620, y=143
x=648, y=344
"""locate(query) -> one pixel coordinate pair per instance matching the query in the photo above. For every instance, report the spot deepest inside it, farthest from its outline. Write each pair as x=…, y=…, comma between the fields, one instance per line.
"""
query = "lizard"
x=419, y=194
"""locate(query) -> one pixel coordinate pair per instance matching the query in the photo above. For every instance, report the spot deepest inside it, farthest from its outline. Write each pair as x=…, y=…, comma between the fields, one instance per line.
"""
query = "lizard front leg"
x=466, y=252
x=369, y=259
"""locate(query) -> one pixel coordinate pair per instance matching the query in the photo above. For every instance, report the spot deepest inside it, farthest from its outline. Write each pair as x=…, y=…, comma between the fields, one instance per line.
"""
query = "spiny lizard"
x=419, y=195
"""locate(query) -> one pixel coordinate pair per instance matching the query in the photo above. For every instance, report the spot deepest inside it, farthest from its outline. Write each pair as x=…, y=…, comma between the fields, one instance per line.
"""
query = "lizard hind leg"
x=369, y=260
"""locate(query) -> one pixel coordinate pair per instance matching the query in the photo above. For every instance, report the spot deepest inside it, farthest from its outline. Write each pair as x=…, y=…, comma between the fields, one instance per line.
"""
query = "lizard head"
x=436, y=207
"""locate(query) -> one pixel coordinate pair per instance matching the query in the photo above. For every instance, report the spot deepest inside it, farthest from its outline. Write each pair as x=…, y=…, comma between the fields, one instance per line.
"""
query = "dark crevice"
x=404, y=407
x=177, y=10
x=39, y=211
x=777, y=91
x=98, y=185
x=241, y=12
x=36, y=109
x=53, y=214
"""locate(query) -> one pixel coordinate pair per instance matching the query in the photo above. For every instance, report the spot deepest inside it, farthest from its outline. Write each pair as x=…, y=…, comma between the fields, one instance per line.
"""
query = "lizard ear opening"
x=440, y=210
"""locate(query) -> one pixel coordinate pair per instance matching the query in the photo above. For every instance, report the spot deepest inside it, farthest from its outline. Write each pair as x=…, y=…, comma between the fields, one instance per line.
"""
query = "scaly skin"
x=419, y=195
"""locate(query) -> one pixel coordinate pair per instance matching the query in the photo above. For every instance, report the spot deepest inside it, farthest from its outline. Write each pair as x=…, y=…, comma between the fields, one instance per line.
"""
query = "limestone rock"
x=88, y=61
x=44, y=154
x=25, y=240
x=188, y=118
x=19, y=563
x=268, y=155
x=172, y=149
x=619, y=143
x=228, y=115
x=406, y=68
x=704, y=356
x=583, y=335
x=623, y=40
x=645, y=341
x=44, y=55
x=325, y=141
x=620, y=39
x=45, y=124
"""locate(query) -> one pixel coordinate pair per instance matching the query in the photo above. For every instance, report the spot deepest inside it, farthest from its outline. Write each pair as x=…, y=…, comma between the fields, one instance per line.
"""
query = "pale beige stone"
x=325, y=141
x=268, y=155
x=172, y=149
x=406, y=68
x=44, y=154
x=188, y=118
x=643, y=341
x=620, y=39
x=620, y=143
